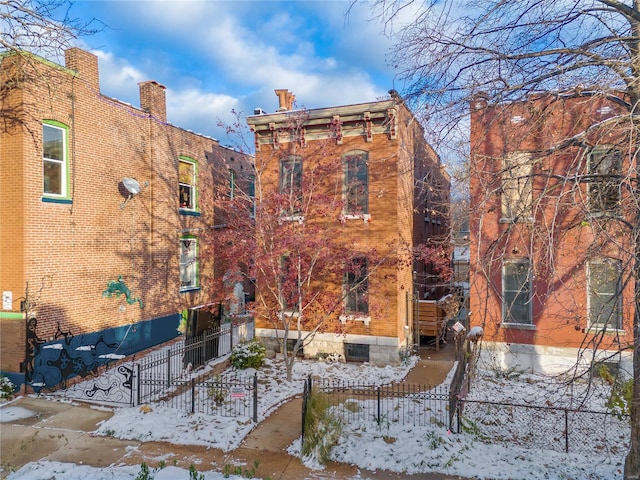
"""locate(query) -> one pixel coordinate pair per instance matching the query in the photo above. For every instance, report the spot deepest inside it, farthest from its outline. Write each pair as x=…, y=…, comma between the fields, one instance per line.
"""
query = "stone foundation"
x=546, y=360
x=382, y=350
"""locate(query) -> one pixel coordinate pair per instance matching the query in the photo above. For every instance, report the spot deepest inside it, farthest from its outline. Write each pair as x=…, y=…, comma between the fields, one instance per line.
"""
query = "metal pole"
x=193, y=395
x=138, y=382
x=255, y=397
x=305, y=395
x=168, y=368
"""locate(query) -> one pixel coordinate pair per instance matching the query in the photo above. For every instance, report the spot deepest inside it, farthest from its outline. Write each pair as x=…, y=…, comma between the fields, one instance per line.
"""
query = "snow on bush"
x=248, y=355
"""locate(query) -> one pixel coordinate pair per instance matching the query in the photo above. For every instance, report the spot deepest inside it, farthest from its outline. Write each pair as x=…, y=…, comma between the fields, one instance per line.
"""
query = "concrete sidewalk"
x=62, y=432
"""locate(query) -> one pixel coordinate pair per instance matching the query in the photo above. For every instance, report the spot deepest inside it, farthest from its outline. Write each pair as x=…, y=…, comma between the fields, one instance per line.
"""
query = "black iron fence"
x=545, y=428
x=226, y=396
x=404, y=404
x=466, y=358
x=163, y=373
x=158, y=373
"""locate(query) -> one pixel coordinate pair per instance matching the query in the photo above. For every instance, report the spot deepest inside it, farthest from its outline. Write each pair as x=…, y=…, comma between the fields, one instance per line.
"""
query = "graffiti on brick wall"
x=51, y=364
x=117, y=288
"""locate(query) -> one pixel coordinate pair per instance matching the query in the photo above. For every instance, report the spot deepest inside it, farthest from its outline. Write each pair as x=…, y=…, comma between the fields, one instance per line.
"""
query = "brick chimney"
x=286, y=99
x=153, y=99
x=85, y=64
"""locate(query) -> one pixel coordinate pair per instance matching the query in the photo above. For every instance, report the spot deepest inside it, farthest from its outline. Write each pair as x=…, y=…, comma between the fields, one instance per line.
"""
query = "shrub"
x=620, y=398
x=6, y=388
x=322, y=428
x=248, y=355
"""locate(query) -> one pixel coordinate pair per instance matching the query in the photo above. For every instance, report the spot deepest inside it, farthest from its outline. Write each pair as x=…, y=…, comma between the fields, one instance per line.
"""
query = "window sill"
x=66, y=201
x=365, y=217
x=189, y=289
x=516, y=220
x=518, y=326
x=192, y=213
x=292, y=218
x=614, y=212
x=366, y=319
x=596, y=330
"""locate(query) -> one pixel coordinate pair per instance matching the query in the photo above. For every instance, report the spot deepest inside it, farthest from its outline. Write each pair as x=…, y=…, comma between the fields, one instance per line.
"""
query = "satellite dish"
x=132, y=185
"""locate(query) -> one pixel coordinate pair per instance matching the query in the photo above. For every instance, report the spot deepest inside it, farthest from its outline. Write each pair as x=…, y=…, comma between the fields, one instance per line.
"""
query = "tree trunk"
x=632, y=462
x=288, y=361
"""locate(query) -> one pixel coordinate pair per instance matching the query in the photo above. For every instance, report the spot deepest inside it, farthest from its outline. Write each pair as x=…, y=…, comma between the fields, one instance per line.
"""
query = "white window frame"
x=507, y=294
x=362, y=289
x=597, y=177
x=349, y=183
x=232, y=184
x=517, y=187
x=62, y=163
x=615, y=267
x=189, y=266
x=252, y=194
x=288, y=186
x=191, y=186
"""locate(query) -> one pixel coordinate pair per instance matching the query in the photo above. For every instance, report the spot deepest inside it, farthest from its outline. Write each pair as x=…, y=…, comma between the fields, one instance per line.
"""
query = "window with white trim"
x=604, y=300
x=289, y=279
x=252, y=194
x=356, y=285
x=188, y=263
x=54, y=159
x=232, y=183
x=605, y=164
x=290, y=183
x=356, y=183
x=516, y=291
x=187, y=183
x=517, y=191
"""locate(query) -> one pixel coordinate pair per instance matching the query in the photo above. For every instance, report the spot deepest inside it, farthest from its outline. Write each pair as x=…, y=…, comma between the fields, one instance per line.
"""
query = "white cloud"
x=199, y=111
x=118, y=78
x=215, y=56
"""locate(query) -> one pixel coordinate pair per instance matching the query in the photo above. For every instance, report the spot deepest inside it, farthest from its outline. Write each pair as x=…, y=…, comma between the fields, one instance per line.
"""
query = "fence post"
x=193, y=395
x=255, y=398
x=305, y=395
x=168, y=367
x=566, y=430
x=138, y=383
x=203, y=350
x=379, y=406
x=231, y=336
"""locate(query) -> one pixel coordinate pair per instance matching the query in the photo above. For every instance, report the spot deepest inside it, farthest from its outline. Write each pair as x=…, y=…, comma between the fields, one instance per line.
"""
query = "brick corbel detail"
x=368, y=128
x=336, y=125
x=393, y=123
x=274, y=135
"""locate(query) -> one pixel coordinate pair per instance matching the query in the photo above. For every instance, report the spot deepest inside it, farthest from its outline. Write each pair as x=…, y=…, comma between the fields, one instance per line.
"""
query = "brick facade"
x=399, y=161
x=559, y=236
x=65, y=249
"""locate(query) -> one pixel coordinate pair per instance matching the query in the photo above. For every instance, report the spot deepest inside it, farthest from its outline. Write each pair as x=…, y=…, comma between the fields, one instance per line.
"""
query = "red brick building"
x=550, y=244
x=395, y=192
x=107, y=216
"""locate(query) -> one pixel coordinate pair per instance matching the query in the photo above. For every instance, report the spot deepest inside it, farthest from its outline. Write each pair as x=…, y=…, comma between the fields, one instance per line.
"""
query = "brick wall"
x=68, y=250
x=391, y=201
x=560, y=240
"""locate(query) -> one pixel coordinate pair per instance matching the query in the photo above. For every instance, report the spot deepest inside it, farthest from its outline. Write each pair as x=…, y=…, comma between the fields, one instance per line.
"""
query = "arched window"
x=290, y=183
x=356, y=182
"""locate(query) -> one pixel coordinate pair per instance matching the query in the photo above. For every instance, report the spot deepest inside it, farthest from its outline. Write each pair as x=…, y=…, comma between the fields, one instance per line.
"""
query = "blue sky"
x=215, y=56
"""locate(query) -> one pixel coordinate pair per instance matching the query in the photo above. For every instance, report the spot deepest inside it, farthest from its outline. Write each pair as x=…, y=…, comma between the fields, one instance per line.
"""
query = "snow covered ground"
x=371, y=446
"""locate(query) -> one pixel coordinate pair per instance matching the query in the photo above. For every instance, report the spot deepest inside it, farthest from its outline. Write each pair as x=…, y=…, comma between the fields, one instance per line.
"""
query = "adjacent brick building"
x=395, y=194
x=106, y=221
x=551, y=230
